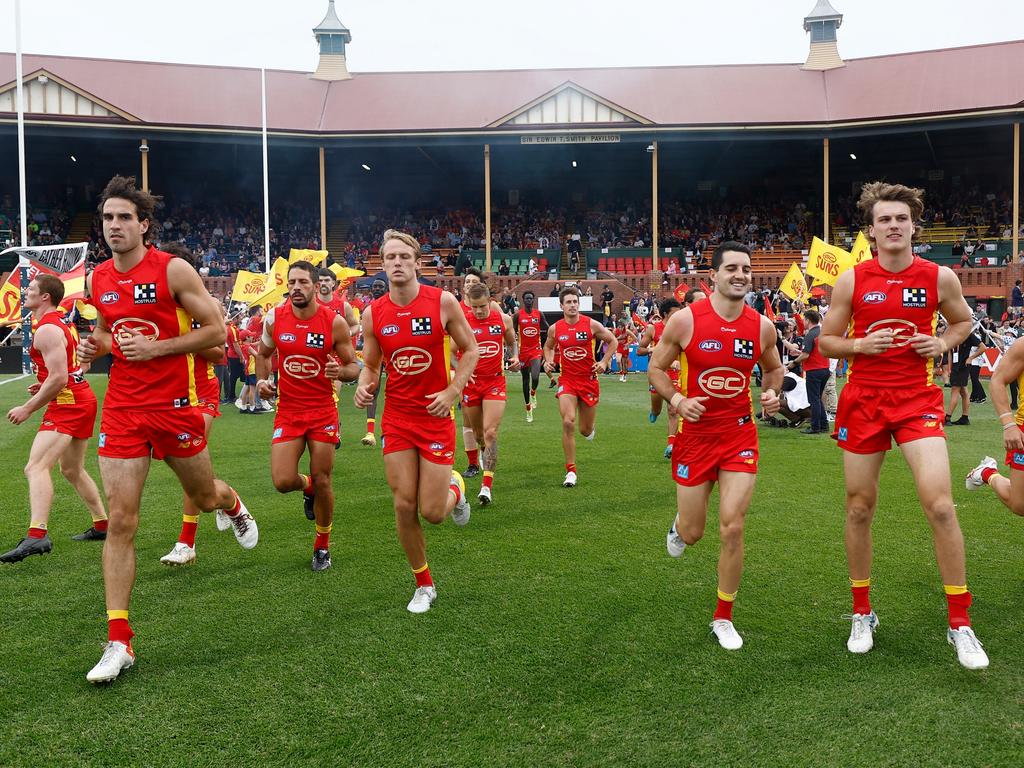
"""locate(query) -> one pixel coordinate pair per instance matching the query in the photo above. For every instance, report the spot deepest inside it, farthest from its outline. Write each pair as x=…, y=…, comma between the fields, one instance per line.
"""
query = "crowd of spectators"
x=46, y=226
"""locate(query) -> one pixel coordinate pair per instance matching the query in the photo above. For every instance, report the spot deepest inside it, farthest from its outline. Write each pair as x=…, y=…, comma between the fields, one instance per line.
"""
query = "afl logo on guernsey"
x=902, y=330
x=287, y=337
x=529, y=330
x=389, y=330
x=410, y=361
x=122, y=329
x=575, y=354
x=710, y=345
x=110, y=297
x=874, y=297
x=722, y=382
x=301, y=367
x=489, y=349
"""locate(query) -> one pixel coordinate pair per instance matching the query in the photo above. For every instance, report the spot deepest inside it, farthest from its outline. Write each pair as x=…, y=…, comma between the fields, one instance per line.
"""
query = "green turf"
x=563, y=633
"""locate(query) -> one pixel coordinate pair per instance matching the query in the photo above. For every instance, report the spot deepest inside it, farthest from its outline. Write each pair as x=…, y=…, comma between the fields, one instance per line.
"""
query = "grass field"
x=563, y=634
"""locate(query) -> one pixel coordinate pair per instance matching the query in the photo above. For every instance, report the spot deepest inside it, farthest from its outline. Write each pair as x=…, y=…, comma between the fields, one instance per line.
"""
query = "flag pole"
x=26, y=315
x=266, y=173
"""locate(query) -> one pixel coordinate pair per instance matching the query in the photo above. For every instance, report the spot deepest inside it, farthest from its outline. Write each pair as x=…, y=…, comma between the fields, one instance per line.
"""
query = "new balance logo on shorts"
x=315, y=340
x=1018, y=458
x=915, y=297
x=683, y=471
x=278, y=432
x=743, y=349
x=103, y=439
x=145, y=293
x=842, y=433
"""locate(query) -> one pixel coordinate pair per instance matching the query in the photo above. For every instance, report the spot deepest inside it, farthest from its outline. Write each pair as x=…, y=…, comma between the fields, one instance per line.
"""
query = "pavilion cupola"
x=822, y=23
x=332, y=36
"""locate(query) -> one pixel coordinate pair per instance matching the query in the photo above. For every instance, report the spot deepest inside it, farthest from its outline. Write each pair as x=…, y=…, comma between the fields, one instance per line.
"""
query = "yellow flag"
x=10, y=299
x=270, y=299
x=827, y=262
x=249, y=286
x=305, y=254
x=861, y=249
x=88, y=311
x=341, y=272
x=793, y=284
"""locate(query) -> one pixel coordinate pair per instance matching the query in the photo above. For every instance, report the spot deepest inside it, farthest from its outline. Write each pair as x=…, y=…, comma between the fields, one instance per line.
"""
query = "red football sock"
x=189, y=523
x=307, y=484
x=473, y=456
x=958, y=600
x=570, y=467
x=533, y=392
x=35, y=532
x=861, y=598
x=488, y=479
x=724, y=608
x=370, y=425
x=118, y=629
x=236, y=507
x=672, y=439
x=100, y=525
x=323, y=537
x=423, y=576
x=987, y=473
x=455, y=491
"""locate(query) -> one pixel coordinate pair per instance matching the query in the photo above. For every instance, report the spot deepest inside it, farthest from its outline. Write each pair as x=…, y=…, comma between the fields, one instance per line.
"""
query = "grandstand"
x=645, y=166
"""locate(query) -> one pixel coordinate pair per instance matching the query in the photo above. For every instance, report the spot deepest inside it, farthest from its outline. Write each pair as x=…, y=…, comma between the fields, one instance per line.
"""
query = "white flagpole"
x=266, y=173
x=23, y=200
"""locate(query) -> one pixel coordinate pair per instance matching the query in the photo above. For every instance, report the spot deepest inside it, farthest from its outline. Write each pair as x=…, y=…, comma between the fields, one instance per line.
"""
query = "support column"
x=144, y=151
x=825, y=224
x=487, y=207
x=1016, y=192
x=654, y=205
x=323, y=205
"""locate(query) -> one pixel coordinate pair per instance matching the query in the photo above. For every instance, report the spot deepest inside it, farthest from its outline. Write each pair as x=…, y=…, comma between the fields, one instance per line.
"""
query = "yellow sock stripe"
x=41, y=526
x=420, y=570
x=951, y=589
x=99, y=519
x=726, y=596
x=324, y=528
x=190, y=518
x=488, y=473
x=111, y=615
x=860, y=582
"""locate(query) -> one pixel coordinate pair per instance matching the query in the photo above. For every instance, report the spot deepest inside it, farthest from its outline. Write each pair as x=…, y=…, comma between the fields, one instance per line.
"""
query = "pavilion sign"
x=572, y=138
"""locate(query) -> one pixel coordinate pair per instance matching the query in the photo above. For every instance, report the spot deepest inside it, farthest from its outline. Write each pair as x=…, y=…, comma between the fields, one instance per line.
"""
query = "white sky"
x=495, y=34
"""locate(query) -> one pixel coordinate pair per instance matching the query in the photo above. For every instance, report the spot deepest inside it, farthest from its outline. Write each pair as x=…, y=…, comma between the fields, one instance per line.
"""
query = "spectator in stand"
x=607, y=316
x=532, y=268
x=1016, y=299
x=503, y=268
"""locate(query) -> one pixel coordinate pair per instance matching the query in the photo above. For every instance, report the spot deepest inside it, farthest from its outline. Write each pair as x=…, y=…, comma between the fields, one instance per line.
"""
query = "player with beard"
x=573, y=339
x=207, y=389
x=316, y=350
x=144, y=299
x=483, y=400
x=67, y=422
x=407, y=330
x=530, y=326
x=377, y=289
x=717, y=344
x=882, y=318
x=469, y=442
x=648, y=341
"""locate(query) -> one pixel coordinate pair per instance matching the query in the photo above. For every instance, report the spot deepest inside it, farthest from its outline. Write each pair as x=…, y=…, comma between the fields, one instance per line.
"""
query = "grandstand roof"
x=918, y=85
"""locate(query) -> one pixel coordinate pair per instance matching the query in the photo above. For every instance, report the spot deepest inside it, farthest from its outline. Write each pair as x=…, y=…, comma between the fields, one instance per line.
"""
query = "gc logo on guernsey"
x=574, y=353
x=301, y=366
x=411, y=361
x=722, y=382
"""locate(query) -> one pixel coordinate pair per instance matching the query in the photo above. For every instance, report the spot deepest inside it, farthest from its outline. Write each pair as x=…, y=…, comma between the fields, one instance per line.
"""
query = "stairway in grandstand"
x=81, y=227
x=337, y=237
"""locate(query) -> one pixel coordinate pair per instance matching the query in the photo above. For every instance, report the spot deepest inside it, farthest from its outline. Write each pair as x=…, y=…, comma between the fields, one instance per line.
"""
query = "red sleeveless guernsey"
x=415, y=351
x=659, y=328
x=575, y=345
x=717, y=363
x=906, y=302
x=140, y=300
x=529, y=333
x=304, y=347
x=490, y=339
x=76, y=389
x=207, y=383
